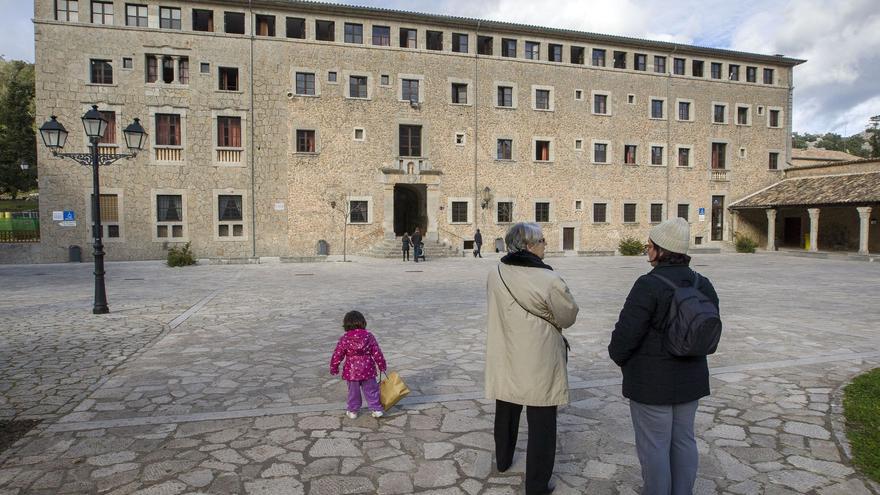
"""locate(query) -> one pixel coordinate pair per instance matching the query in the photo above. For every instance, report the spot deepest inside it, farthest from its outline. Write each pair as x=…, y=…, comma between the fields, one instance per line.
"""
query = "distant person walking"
x=528, y=306
x=478, y=244
x=416, y=241
x=405, y=246
x=663, y=389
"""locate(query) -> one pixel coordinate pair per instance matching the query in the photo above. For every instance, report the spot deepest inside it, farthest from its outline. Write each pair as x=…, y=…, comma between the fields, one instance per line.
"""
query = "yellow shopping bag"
x=392, y=389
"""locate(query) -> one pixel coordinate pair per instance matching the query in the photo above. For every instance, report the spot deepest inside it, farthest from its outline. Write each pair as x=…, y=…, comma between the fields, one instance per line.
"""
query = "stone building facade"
x=273, y=123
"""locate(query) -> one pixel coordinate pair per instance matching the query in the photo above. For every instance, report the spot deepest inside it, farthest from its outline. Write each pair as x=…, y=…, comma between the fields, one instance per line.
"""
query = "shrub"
x=744, y=244
x=631, y=246
x=181, y=256
x=861, y=407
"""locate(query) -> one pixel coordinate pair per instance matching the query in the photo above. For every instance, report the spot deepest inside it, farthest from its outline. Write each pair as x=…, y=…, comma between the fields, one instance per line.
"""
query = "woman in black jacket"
x=663, y=390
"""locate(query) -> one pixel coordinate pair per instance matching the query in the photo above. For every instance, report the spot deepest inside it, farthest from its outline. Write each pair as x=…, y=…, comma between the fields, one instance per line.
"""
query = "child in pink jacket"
x=362, y=355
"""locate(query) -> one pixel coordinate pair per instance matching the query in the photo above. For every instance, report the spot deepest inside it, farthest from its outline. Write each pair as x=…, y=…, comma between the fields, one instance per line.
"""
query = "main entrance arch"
x=410, y=208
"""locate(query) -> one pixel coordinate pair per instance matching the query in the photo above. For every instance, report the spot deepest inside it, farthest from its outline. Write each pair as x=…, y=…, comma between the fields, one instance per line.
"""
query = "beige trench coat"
x=525, y=355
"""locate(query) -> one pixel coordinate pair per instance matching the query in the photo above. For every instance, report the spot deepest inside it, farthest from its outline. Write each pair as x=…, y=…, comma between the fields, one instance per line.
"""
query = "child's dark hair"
x=354, y=320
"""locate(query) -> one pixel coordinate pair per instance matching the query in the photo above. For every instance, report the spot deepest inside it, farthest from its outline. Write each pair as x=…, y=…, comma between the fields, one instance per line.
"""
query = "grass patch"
x=861, y=407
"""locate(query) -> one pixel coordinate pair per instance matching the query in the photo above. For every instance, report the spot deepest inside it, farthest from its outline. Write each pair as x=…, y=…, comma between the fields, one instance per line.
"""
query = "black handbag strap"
x=554, y=325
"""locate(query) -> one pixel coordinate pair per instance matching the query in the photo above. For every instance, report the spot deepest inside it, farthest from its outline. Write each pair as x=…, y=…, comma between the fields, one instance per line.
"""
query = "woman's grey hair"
x=521, y=235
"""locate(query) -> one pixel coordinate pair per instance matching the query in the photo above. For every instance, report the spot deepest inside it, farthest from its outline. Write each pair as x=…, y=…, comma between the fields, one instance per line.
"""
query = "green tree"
x=17, y=138
x=874, y=130
x=831, y=141
x=801, y=140
x=855, y=145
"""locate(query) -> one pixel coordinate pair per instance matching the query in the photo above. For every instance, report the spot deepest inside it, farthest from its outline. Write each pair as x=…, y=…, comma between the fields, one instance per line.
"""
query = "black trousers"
x=406, y=255
x=477, y=250
x=541, y=449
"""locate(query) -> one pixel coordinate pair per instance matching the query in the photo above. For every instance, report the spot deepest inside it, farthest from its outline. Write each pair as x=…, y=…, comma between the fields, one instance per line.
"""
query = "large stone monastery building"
x=276, y=124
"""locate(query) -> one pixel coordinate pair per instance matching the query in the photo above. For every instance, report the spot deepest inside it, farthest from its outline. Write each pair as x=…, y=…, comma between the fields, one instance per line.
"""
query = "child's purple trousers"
x=371, y=391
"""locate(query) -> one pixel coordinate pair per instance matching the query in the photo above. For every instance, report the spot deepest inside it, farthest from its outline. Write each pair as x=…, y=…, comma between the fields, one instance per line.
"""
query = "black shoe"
x=504, y=468
x=547, y=491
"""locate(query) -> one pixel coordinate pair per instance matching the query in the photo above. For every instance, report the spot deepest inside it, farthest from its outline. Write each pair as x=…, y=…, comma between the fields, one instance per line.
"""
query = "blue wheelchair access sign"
x=69, y=216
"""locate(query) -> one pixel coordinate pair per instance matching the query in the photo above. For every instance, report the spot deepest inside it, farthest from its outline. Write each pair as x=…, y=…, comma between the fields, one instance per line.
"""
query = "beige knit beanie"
x=672, y=235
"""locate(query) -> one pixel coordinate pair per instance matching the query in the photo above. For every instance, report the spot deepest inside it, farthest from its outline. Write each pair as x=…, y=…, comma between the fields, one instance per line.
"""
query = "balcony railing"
x=719, y=174
x=228, y=156
x=169, y=154
x=413, y=165
x=107, y=149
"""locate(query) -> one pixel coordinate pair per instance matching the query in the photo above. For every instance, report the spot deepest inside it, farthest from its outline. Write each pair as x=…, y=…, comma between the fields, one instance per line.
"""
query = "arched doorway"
x=410, y=208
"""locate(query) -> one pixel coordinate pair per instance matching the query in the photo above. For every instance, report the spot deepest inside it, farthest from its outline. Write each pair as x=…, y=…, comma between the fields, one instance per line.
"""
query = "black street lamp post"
x=54, y=137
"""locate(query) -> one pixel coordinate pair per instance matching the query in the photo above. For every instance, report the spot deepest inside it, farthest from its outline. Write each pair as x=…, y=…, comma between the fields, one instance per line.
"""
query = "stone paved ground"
x=213, y=379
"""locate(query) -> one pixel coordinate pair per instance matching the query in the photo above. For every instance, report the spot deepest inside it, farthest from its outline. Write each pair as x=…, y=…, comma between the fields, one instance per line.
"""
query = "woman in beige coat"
x=528, y=306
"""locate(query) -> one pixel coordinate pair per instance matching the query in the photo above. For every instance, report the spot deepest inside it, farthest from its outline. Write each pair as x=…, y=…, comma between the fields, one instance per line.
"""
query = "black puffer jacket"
x=650, y=374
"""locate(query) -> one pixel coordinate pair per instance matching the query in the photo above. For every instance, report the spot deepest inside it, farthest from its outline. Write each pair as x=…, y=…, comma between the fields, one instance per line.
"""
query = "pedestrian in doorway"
x=663, y=389
x=405, y=246
x=478, y=244
x=416, y=241
x=526, y=354
x=362, y=355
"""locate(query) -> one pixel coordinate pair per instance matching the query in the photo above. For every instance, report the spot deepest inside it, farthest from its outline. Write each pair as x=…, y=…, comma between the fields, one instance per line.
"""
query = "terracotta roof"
x=821, y=154
x=849, y=189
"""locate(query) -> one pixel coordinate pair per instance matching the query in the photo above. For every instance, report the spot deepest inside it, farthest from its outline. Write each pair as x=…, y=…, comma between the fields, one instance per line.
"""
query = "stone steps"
x=391, y=248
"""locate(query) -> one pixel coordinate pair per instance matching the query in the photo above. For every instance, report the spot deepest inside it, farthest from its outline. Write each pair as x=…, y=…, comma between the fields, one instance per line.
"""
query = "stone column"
x=388, y=206
x=175, y=61
x=864, y=226
x=814, y=229
x=734, y=223
x=771, y=229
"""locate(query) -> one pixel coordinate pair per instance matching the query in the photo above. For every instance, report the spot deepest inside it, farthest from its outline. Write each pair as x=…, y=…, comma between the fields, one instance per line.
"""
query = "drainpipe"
x=790, y=118
x=253, y=146
x=670, y=107
x=476, y=124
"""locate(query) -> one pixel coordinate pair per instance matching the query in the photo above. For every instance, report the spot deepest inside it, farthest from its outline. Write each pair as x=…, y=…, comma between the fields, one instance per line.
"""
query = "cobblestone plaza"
x=214, y=379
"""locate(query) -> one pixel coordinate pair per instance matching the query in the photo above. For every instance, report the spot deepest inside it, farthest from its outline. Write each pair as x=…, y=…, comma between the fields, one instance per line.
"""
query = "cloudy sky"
x=837, y=90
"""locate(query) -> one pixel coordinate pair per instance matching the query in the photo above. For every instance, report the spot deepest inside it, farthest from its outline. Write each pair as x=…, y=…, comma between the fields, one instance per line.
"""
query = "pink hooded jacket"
x=361, y=353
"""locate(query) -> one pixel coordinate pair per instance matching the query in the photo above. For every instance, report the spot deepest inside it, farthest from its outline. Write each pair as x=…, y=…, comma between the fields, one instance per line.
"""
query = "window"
x=109, y=206
x=459, y=139
x=101, y=71
x=578, y=54
x=305, y=83
x=631, y=99
x=719, y=155
x=773, y=118
x=434, y=40
x=678, y=65
x=183, y=70
x=600, y=104
x=684, y=110
x=533, y=50
x=542, y=212
x=508, y=47
x=325, y=30
x=408, y=38
x=359, y=134
x=296, y=28
x=233, y=22
x=697, y=68
x=409, y=90
x=67, y=10
x=505, y=149
x=554, y=52
x=102, y=13
x=629, y=213
x=733, y=72
x=683, y=210
x=598, y=57
x=228, y=77
x=657, y=109
x=381, y=35
x=169, y=18
x=357, y=86
x=773, y=163
x=135, y=15
x=768, y=76
x=578, y=94
x=354, y=33
x=719, y=113
x=660, y=64
x=629, y=154
x=331, y=76
x=542, y=99
x=459, y=43
x=410, y=140
x=169, y=216
x=459, y=212
x=505, y=96
x=742, y=115
x=579, y=144
x=358, y=211
x=203, y=20
x=485, y=45
x=751, y=74
x=542, y=151
x=684, y=157
x=578, y=205
x=385, y=80
x=600, y=152
x=619, y=60
x=505, y=212
x=229, y=132
x=265, y=25
x=229, y=216
x=305, y=141
x=109, y=136
x=716, y=70
x=656, y=212
x=459, y=93
x=168, y=129
x=657, y=155
x=599, y=211
x=127, y=63
x=640, y=62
